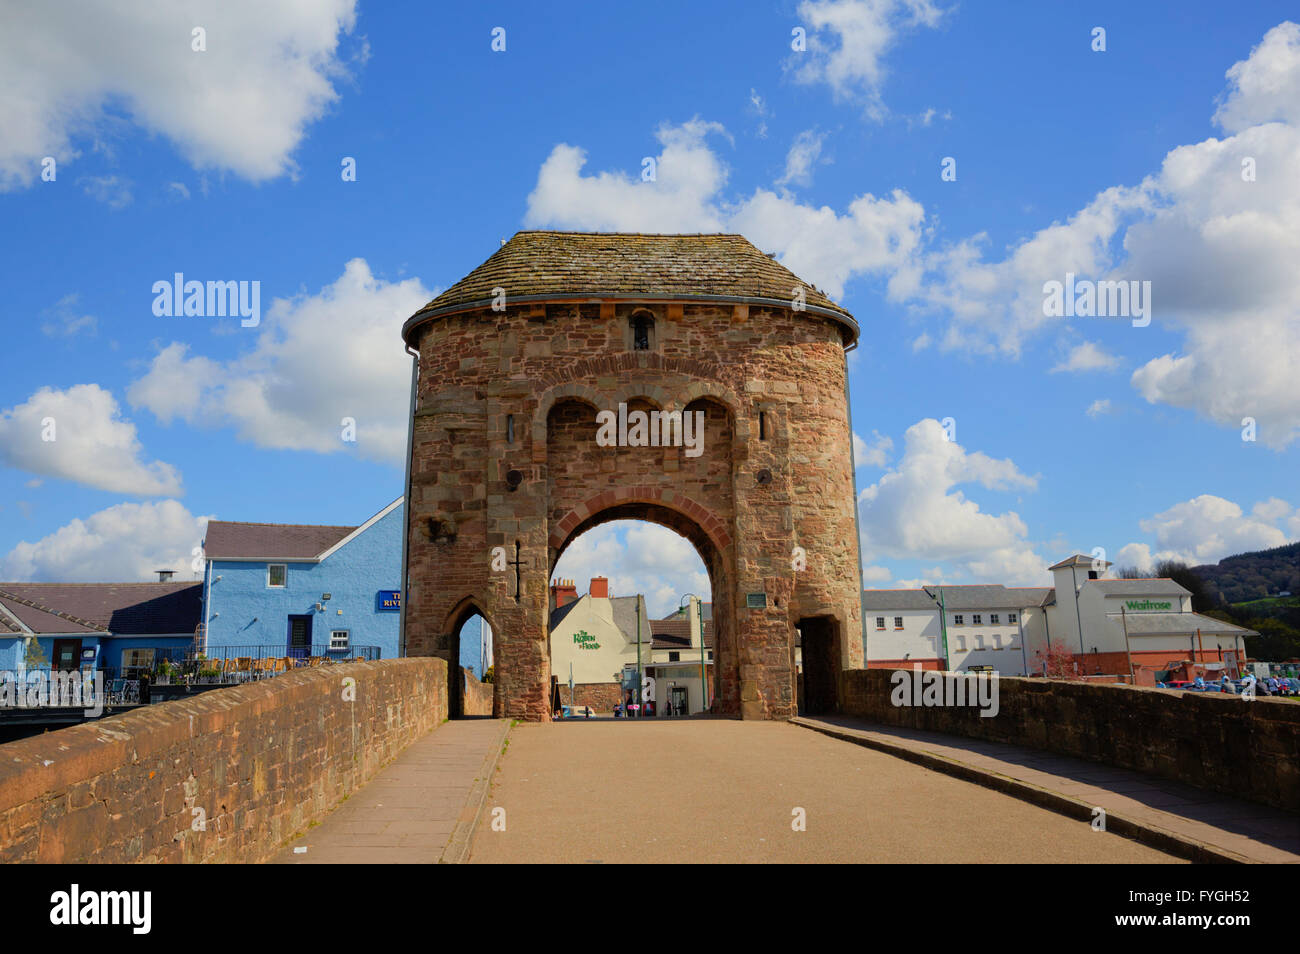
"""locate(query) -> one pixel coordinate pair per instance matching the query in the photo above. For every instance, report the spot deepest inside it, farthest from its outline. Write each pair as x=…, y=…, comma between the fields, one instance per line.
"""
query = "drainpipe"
x=406, y=507
x=857, y=529
x=1074, y=581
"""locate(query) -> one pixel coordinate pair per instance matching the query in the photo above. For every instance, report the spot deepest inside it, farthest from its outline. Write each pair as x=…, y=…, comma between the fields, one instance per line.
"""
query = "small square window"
x=993, y=618
x=1011, y=617
x=977, y=618
x=880, y=622
x=276, y=574
x=674, y=656
x=959, y=619
x=898, y=622
x=338, y=639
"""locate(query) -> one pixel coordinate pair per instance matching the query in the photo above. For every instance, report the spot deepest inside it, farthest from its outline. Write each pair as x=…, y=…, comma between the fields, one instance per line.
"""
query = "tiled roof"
x=269, y=541
x=897, y=600
x=123, y=609
x=1077, y=560
x=625, y=613
x=1180, y=624
x=990, y=596
x=540, y=265
x=1156, y=587
x=676, y=633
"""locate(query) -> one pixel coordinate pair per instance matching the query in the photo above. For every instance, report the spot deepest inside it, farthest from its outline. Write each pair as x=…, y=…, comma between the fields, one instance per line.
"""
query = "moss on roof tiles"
x=540, y=264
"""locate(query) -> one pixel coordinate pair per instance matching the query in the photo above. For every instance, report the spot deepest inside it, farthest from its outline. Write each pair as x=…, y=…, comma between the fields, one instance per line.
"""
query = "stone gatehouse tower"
x=514, y=363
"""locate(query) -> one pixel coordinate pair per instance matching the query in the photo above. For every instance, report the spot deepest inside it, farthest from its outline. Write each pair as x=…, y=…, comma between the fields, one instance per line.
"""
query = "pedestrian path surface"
x=1230, y=828
x=683, y=791
x=418, y=809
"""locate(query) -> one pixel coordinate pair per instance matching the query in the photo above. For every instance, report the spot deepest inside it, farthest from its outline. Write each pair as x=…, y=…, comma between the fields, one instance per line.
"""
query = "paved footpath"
x=714, y=790
x=419, y=809
x=1196, y=823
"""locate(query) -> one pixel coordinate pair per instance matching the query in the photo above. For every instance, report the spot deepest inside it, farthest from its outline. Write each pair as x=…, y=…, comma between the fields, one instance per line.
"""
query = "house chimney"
x=165, y=575
x=599, y=589
x=564, y=592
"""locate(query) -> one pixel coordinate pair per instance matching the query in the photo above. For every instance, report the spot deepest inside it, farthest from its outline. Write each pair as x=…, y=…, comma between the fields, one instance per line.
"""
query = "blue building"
x=114, y=627
x=294, y=590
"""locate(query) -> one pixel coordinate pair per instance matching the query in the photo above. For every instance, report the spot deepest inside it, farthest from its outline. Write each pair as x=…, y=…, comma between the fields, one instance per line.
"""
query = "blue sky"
x=225, y=164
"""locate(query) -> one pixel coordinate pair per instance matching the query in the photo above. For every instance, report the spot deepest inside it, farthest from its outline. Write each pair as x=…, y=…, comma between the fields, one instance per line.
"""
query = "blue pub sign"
x=388, y=601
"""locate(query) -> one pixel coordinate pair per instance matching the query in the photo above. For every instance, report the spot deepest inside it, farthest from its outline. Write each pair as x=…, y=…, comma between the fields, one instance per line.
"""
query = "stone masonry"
x=515, y=362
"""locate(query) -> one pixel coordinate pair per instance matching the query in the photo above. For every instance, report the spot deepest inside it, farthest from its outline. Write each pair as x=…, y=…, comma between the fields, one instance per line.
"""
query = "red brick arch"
x=580, y=516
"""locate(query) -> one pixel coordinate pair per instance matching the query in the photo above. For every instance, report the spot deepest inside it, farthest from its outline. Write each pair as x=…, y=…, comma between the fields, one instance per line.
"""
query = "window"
x=976, y=618
x=674, y=656
x=959, y=620
x=137, y=659
x=979, y=642
x=993, y=618
x=276, y=574
x=961, y=644
x=880, y=622
x=762, y=425
x=997, y=640
x=338, y=639
x=510, y=428
x=898, y=622
x=1011, y=617
x=710, y=655
x=641, y=325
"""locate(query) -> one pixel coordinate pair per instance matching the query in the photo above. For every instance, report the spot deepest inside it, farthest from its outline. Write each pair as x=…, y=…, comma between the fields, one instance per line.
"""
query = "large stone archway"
x=514, y=364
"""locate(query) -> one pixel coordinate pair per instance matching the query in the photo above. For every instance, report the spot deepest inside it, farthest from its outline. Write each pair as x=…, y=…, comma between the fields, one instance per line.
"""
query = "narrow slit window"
x=641, y=332
x=510, y=428
x=762, y=425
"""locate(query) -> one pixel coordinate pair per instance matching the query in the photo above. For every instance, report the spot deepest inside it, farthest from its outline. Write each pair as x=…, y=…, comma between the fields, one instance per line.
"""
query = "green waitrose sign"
x=1147, y=605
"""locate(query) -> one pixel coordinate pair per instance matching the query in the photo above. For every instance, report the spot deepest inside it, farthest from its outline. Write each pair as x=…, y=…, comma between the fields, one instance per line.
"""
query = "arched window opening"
x=642, y=324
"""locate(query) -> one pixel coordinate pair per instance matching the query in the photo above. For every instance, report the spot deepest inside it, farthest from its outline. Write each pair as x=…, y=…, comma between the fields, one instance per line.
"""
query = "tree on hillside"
x=1202, y=596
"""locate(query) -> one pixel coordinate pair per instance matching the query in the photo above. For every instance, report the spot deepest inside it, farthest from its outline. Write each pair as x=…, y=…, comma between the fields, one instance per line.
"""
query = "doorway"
x=67, y=655
x=299, y=641
x=819, y=643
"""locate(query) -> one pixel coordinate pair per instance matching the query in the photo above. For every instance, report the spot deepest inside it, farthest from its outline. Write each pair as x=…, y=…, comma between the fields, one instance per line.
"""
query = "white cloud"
x=681, y=198
x=875, y=236
x=637, y=557
x=70, y=71
x=1099, y=407
x=318, y=359
x=915, y=512
x=113, y=191
x=1206, y=529
x=91, y=443
x=876, y=574
x=848, y=40
x=875, y=454
x=63, y=320
x=1087, y=357
x=804, y=152
x=1266, y=86
x=1220, y=254
x=123, y=543
x=1272, y=510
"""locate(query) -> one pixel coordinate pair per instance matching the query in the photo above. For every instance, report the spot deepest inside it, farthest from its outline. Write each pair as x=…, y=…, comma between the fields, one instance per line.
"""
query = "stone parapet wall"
x=477, y=700
x=226, y=776
x=1209, y=740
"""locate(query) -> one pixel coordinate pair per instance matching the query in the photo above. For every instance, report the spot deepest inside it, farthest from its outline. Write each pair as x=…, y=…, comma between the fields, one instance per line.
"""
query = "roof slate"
x=227, y=540
x=551, y=264
x=123, y=609
x=1185, y=624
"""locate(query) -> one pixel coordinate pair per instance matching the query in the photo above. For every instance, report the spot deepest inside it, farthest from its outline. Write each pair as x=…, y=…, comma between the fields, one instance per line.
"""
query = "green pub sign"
x=584, y=640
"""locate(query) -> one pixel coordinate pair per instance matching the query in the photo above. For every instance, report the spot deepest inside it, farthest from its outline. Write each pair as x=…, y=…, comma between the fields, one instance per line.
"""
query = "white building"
x=1109, y=626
